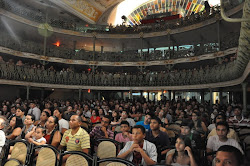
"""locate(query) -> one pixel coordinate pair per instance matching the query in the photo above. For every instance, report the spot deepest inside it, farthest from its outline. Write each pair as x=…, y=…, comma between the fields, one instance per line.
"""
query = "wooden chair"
x=47, y=155
x=13, y=162
x=22, y=151
x=77, y=158
x=113, y=162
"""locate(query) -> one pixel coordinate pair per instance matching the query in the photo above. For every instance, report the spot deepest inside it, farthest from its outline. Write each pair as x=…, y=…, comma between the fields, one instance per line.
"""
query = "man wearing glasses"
x=103, y=130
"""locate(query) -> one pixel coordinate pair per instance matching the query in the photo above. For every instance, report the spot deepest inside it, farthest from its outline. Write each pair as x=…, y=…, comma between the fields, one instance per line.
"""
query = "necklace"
x=48, y=133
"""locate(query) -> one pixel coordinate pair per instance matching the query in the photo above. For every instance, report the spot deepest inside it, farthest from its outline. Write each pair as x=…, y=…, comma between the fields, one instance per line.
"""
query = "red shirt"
x=94, y=120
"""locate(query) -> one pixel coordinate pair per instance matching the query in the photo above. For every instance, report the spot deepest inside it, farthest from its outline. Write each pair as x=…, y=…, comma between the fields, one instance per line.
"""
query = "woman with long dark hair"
x=95, y=116
x=182, y=155
x=53, y=135
x=15, y=128
x=199, y=126
x=43, y=119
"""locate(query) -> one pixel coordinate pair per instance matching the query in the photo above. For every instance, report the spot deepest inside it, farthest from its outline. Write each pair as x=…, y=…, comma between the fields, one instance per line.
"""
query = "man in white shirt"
x=216, y=141
x=86, y=111
x=2, y=135
x=63, y=124
x=34, y=110
x=124, y=116
x=139, y=151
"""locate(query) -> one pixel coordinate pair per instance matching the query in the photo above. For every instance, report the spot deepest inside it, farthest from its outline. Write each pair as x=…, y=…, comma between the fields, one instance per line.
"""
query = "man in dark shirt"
x=159, y=138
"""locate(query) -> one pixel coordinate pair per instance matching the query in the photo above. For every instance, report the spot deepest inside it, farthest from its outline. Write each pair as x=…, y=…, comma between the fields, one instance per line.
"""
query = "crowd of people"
x=170, y=76
x=182, y=51
x=168, y=132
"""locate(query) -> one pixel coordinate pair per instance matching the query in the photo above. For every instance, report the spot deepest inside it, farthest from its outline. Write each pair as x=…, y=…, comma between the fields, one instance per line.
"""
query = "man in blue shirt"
x=146, y=122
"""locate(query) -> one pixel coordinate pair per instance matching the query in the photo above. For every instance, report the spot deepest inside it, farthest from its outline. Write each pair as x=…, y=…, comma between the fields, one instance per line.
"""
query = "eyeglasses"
x=105, y=122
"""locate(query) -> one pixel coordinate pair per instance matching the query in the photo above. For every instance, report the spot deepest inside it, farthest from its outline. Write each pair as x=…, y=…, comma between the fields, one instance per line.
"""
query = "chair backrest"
x=19, y=152
x=174, y=127
x=76, y=160
x=13, y=162
x=113, y=162
x=171, y=134
x=106, y=149
x=46, y=157
x=116, y=164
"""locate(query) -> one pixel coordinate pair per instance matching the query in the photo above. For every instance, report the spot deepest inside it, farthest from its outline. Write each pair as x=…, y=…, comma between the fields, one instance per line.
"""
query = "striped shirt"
x=97, y=133
x=233, y=122
x=77, y=142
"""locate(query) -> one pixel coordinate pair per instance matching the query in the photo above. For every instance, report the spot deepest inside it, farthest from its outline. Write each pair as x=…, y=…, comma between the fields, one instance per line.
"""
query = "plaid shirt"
x=97, y=133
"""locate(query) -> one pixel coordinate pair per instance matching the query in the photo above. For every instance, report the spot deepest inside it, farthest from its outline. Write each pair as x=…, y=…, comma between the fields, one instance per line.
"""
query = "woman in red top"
x=95, y=117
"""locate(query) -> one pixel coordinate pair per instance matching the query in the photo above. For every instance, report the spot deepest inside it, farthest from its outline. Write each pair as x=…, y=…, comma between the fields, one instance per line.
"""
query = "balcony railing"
x=217, y=73
x=229, y=41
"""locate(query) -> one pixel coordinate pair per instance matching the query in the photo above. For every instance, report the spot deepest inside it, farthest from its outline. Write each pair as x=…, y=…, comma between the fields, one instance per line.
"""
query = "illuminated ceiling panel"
x=169, y=7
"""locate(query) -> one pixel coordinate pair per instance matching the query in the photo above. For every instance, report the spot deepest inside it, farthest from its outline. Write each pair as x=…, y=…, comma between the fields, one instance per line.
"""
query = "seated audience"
x=69, y=113
x=20, y=113
x=135, y=113
x=146, y=122
x=53, y=135
x=12, y=111
x=34, y=110
x=214, y=142
x=63, y=124
x=228, y=155
x=36, y=136
x=159, y=138
x=115, y=118
x=162, y=115
x=186, y=130
x=15, y=128
x=28, y=125
x=124, y=116
x=238, y=121
x=231, y=134
x=103, y=130
x=43, y=119
x=95, y=117
x=76, y=138
x=5, y=111
x=182, y=155
x=199, y=126
x=125, y=136
x=139, y=151
x=2, y=134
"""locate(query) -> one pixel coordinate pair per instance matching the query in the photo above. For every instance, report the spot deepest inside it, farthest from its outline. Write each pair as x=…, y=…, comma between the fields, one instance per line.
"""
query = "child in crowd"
x=36, y=136
x=139, y=151
x=125, y=136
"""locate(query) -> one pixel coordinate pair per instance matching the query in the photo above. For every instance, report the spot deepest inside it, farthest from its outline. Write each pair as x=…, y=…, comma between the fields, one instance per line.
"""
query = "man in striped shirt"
x=76, y=138
x=238, y=121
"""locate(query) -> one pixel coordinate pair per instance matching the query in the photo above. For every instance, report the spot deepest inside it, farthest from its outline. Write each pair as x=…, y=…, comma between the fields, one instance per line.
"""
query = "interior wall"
x=9, y=92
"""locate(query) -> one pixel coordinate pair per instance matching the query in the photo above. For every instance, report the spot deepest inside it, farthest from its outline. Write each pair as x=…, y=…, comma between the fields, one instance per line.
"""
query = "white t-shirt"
x=214, y=143
x=63, y=124
x=39, y=140
x=2, y=140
